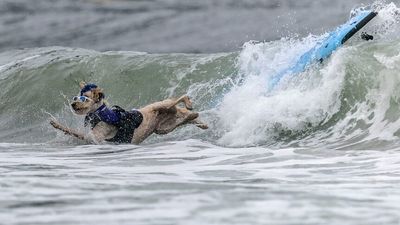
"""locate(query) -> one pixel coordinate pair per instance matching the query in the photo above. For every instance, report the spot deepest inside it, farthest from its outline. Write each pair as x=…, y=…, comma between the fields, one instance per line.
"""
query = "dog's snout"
x=73, y=105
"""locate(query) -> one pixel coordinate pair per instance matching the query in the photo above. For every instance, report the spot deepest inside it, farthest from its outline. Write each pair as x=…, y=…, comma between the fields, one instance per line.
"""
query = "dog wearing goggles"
x=120, y=126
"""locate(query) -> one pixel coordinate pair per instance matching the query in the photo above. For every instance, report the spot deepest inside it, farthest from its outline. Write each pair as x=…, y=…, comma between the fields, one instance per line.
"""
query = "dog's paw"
x=188, y=103
x=55, y=124
x=202, y=126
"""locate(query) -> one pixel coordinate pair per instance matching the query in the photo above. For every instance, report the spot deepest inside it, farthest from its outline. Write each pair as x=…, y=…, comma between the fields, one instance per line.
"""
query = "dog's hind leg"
x=189, y=117
x=169, y=104
x=182, y=117
x=199, y=124
x=186, y=100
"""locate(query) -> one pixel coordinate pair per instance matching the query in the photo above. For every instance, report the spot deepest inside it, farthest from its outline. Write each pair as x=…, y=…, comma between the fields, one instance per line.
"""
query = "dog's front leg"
x=67, y=130
x=98, y=135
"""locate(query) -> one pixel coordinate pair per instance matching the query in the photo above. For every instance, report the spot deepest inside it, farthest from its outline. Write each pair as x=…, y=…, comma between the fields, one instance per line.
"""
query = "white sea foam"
x=256, y=116
x=307, y=99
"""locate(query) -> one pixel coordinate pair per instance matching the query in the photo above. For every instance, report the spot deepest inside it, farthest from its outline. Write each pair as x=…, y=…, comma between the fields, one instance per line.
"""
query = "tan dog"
x=120, y=126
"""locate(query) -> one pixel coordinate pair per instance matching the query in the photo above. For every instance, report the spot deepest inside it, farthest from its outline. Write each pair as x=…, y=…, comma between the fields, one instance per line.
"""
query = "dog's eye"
x=80, y=98
x=83, y=98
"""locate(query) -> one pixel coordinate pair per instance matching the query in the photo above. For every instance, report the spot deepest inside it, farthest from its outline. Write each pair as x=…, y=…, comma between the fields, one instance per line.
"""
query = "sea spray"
x=309, y=102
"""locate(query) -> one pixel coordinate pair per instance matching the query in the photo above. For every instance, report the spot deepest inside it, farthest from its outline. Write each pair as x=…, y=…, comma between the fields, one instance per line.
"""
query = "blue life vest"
x=125, y=121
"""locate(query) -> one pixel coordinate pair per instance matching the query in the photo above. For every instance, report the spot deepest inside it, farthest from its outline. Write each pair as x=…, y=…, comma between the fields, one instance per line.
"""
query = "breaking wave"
x=350, y=99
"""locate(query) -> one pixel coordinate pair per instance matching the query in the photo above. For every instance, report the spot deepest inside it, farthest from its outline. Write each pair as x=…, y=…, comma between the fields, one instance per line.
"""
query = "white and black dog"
x=120, y=126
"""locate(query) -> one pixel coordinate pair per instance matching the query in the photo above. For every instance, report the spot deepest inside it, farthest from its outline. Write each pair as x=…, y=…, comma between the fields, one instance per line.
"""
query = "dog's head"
x=89, y=99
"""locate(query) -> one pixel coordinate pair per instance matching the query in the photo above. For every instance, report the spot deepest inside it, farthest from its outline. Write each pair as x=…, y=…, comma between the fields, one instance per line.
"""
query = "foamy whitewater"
x=321, y=148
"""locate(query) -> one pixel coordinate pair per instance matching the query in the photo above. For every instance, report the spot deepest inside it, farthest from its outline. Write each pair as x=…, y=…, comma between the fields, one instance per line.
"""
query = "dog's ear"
x=98, y=94
x=82, y=84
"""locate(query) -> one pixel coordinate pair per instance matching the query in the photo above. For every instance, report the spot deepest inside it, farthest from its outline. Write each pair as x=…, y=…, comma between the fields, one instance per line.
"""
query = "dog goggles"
x=80, y=98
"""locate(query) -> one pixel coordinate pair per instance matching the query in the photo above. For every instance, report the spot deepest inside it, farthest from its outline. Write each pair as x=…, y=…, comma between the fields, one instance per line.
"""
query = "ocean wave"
x=350, y=98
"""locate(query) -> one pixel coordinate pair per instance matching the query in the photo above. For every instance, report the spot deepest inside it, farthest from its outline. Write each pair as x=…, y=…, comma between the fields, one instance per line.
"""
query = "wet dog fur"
x=160, y=117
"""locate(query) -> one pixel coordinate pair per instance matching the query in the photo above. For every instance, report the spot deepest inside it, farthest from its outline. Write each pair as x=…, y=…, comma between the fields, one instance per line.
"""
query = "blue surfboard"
x=325, y=48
